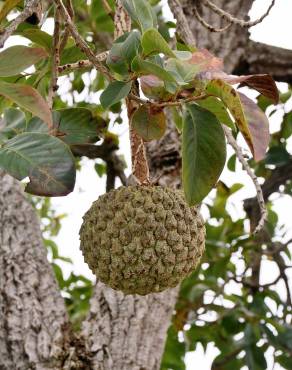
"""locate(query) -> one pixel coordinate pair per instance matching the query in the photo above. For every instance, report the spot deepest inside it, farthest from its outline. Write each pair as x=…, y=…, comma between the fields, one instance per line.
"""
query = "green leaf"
x=153, y=43
x=28, y=98
x=141, y=12
x=17, y=58
x=7, y=7
x=73, y=125
x=144, y=67
x=216, y=106
x=115, y=92
x=203, y=153
x=231, y=99
x=38, y=37
x=148, y=122
x=46, y=160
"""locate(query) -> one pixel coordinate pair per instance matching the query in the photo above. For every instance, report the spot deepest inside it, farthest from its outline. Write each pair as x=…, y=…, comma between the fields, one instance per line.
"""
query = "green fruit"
x=142, y=239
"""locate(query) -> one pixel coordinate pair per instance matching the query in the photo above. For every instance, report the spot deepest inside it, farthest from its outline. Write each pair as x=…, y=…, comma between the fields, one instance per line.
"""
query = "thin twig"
x=56, y=60
x=85, y=63
x=253, y=177
x=80, y=42
x=231, y=19
x=207, y=25
x=30, y=7
x=67, y=31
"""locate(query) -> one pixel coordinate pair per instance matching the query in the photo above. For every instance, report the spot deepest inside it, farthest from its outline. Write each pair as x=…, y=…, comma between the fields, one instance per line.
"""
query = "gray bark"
x=32, y=311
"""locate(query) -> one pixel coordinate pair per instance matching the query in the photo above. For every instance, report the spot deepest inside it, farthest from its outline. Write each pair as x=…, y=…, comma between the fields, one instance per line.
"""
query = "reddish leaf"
x=206, y=60
x=153, y=87
x=262, y=83
x=148, y=122
x=16, y=59
x=28, y=98
x=231, y=99
x=258, y=125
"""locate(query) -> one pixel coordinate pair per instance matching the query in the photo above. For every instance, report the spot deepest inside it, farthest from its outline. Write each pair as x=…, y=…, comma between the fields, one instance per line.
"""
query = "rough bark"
x=32, y=311
x=128, y=332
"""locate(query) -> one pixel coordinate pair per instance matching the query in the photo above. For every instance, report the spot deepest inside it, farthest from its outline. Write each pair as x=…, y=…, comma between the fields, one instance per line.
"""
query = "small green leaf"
x=46, y=160
x=28, y=98
x=183, y=72
x=153, y=43
x=7, y=7
x=149, y=123
x=37, y=36
x=203, y=153
x=144, y=67
x=115, y=92
x=123, y=51
x=141, y=12
x=17, y=58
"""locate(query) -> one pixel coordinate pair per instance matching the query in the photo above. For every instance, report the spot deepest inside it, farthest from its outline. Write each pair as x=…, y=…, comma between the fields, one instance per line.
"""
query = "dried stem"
x=231, y=19
x=140, y=167
x=31, y=6
x=67, y=31
x=80, y=42
x=56, y=60
x=247, y=168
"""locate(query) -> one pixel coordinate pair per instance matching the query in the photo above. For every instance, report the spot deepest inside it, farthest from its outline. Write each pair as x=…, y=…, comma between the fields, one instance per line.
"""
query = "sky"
x=274, y=30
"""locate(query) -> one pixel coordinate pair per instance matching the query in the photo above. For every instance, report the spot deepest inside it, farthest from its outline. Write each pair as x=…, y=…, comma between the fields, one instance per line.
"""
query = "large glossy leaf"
x=45, y=159
x=28, y=98
x=73, y=125
x=13, y=122
x=149, y=122
x=17, y=58
x=115, y=92
x=231, y=99
x=258, y=126
x=144, y=67
x=203, y=153
x=140, y=11
x=153, y=43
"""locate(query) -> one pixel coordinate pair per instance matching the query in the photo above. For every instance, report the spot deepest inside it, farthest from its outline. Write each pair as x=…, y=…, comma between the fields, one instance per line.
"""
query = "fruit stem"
x=140, y=169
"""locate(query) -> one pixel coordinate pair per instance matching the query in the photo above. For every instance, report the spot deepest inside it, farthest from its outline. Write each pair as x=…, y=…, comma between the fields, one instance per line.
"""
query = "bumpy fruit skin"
x=142, y=239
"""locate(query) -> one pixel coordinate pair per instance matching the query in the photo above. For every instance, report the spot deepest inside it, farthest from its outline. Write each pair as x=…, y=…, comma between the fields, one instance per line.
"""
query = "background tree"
x=122, y=332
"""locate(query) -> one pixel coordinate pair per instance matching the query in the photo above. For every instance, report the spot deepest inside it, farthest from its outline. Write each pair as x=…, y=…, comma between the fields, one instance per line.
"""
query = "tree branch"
x=262, y=58
x=80, y=42
x=31, y=7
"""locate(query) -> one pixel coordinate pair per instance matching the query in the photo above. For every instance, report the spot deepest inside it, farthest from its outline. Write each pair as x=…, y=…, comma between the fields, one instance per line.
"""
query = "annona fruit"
x=142, y=239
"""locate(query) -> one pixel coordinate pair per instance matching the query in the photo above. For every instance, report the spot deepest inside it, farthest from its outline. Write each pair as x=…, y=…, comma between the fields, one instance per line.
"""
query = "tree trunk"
x=121, y=332
x=32, y=311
